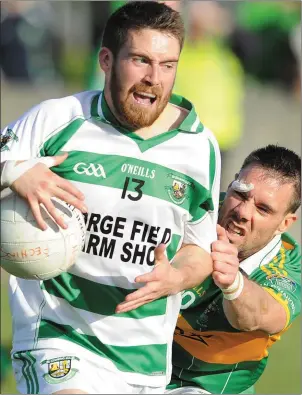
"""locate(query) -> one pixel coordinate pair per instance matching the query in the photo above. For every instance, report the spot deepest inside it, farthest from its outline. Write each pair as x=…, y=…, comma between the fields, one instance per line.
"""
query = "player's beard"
x=131, y=114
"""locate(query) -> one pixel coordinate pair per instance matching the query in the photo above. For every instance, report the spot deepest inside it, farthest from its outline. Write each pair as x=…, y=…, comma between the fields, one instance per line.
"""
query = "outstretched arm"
x=191, y=266
x=194, y=265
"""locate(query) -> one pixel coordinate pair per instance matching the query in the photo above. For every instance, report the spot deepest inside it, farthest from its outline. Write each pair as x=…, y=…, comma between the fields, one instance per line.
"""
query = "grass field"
x=282, y=375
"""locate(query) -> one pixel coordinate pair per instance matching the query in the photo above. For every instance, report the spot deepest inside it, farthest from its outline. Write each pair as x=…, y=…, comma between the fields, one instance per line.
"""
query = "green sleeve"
x=281, y=277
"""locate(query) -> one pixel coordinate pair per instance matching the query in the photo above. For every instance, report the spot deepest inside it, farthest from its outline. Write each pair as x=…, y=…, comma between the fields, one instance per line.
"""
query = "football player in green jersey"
x=228, y=323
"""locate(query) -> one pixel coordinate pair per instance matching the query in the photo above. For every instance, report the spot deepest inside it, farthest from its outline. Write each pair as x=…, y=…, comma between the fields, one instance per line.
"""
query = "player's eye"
x=140, y=60
x=168, y=66
x=263, y=210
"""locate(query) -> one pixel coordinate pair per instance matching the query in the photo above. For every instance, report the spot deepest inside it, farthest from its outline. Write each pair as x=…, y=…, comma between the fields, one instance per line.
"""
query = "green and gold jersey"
x=207, y=351
x=139, y=193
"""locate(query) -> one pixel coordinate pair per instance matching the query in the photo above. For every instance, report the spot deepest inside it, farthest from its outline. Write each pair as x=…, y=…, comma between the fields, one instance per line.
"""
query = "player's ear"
x=105, y=59
x=287, y=221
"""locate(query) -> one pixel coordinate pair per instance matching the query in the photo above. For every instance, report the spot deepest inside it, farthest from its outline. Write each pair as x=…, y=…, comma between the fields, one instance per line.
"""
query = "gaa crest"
x=6, y=137
x=59, y=369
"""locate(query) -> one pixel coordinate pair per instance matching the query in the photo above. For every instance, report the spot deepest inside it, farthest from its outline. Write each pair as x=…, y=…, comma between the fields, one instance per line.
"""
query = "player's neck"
x=169, y=119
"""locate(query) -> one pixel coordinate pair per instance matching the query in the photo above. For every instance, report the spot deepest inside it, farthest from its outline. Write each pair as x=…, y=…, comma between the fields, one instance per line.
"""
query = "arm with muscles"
x=27, y=174
x=246, y=304
x=190, y=267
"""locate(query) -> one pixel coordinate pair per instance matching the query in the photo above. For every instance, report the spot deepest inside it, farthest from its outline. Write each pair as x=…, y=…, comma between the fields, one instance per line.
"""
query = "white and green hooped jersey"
x=139, y=193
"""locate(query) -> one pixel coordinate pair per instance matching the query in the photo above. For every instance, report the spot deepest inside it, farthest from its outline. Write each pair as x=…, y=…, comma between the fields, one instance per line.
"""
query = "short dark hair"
x=283, y=164
x=137, y=15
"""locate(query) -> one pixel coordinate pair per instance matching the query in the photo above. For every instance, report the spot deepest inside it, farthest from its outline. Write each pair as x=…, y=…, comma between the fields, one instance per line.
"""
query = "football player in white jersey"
x=150, y=173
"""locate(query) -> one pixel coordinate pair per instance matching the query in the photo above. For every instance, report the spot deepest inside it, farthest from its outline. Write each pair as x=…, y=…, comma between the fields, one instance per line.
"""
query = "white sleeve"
x=202, y=231
x=21, y=139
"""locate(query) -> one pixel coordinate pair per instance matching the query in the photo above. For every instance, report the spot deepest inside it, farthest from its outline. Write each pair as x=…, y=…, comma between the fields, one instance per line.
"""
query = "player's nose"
x=244, y=211
x=153, y=74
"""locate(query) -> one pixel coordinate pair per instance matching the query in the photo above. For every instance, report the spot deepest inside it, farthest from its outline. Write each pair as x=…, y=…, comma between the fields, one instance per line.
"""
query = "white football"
x=31, y=253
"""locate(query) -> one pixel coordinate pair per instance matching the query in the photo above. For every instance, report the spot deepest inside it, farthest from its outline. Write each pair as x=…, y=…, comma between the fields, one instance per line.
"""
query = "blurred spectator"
x=262, y=40
x=28, y=44
x=100, y=11
x=208, y=72
x=295, y=43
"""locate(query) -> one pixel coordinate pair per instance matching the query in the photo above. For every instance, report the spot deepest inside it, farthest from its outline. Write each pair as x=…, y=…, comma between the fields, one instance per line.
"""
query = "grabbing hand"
x=39, y=184
x=164, y=280
x=225, y=260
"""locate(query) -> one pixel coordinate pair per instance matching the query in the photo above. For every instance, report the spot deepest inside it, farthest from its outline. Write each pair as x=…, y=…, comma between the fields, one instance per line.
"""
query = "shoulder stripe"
x=53, y=145
x=212, y=170
x=59, y=137
x=273, y=267
x=282, y=261
x=265, y=270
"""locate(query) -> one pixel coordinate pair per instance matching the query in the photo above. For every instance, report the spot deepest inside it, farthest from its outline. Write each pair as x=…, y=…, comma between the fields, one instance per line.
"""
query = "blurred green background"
x=240, y=67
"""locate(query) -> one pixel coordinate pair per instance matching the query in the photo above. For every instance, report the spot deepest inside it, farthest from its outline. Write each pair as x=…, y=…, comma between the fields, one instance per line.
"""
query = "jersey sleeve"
x=281, y=278
x=201, y=229
x=23, y=138
x=20, y=140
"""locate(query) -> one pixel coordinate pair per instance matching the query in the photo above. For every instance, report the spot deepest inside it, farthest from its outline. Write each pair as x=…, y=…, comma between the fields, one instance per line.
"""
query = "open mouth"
x=143, y=98
x=235, y=230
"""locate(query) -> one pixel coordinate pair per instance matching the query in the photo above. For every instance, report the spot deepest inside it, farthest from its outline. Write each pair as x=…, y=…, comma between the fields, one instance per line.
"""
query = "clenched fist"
x=225, y=260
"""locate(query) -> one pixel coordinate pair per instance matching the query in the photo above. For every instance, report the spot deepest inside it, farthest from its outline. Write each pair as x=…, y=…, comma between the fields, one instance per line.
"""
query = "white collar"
x=261, y=257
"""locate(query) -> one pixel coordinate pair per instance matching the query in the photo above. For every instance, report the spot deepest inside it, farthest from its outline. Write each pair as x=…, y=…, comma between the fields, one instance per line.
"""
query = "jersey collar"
x=262, y=257
x=191, y=124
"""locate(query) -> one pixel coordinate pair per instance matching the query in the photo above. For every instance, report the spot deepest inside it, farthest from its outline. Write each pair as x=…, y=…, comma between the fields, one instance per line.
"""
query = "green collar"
x=190, y=124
